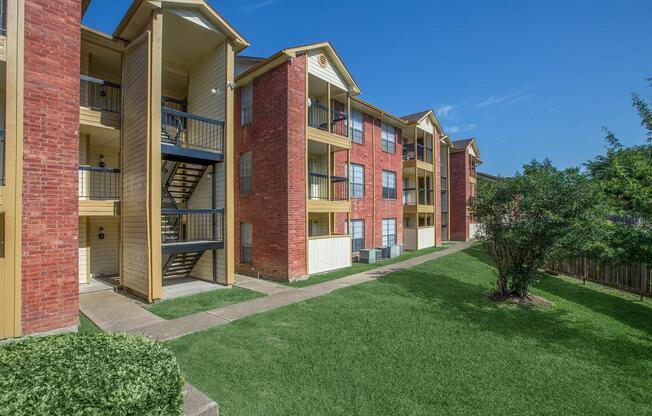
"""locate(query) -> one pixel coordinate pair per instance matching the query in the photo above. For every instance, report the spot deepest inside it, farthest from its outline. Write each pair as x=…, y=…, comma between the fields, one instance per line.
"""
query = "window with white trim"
x=246, y=242
x=389, y=231
x=247, y=104
x=356, y=179
x=387, y=138
x=389, y=184
x=357, y=235
x=246, y=168
x=357, y=127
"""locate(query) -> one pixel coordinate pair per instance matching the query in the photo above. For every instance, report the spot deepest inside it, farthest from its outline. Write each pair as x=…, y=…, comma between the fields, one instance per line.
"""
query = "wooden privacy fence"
x=631, y=278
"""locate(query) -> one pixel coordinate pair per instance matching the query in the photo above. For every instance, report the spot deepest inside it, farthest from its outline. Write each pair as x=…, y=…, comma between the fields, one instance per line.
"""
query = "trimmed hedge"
x=99, y=374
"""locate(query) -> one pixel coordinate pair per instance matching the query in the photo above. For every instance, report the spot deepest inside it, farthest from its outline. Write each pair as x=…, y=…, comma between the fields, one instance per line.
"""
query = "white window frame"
x=389, y=231
x=247, y=104
x=357, y=127
x=389, y=184
x=352, y=179
x=357, y=232
x=246, y=172
x=246, y=241
x=388, y=138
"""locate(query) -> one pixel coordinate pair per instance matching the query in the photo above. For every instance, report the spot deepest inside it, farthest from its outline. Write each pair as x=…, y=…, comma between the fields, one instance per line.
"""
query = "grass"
x=86, y=326
x=427, y=341
x=187, y=305
x=360, y=267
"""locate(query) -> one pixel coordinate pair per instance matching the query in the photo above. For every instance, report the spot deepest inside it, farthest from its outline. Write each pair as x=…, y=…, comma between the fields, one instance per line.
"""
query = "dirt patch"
x=529, y=300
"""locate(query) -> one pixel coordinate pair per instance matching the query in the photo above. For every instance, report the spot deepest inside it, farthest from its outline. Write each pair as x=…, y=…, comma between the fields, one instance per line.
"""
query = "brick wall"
x=459, y=219
x=277, y=202
x=372, y=208
x=50, y=165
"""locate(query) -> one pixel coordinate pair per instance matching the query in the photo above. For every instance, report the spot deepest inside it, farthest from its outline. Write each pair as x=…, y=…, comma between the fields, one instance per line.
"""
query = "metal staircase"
x=182, y=181
x=180, y=265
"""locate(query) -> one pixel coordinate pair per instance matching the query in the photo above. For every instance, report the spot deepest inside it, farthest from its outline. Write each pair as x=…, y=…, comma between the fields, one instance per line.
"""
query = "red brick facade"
x=50, y=166
x=459, y=195
x=276, y=205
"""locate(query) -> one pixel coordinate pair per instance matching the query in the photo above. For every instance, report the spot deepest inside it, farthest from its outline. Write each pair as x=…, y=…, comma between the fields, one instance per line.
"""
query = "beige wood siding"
x=426, y=237
x=209, y=73
x=135, y=248
x=329, y=73
x=329, y=254
x=83, y=252
x=3, y=48
x=104, y=257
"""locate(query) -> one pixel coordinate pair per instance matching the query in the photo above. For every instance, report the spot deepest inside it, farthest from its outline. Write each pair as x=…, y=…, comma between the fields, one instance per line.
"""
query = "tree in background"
x=624, y=177
x=528, y=218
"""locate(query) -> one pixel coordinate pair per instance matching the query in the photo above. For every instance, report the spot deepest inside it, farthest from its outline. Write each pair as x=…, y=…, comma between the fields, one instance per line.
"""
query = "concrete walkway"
x=280, y=296
x=259, y=285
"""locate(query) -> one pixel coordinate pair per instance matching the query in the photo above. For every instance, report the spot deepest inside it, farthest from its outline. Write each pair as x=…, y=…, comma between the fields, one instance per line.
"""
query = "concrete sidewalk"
x=281, y=296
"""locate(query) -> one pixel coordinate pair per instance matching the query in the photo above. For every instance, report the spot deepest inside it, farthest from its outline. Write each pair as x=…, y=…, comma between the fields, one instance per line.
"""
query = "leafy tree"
x=624, y=177
x=528, y=218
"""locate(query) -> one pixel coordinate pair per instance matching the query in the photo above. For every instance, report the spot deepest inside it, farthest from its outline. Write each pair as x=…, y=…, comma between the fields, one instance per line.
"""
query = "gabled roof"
x=398, y=120
x=289, y=53
x=417, y=118
x=144, y=7
x=463, y=144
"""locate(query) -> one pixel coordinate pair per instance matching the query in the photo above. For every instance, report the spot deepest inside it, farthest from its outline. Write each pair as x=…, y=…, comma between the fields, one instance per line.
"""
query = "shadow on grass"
x=457, y=289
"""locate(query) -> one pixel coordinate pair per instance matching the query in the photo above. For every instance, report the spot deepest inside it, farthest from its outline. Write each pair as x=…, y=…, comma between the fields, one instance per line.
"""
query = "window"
x=388, y=138
x=356, y=177
x=357, y=235
x=389, y=231
x=245, y=173
x=246, y=104
x=246, y=242
x=389, y=185
x=357, y=127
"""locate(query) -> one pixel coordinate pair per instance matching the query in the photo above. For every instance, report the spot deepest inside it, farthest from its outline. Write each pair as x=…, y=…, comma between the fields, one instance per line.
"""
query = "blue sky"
x=528, y=79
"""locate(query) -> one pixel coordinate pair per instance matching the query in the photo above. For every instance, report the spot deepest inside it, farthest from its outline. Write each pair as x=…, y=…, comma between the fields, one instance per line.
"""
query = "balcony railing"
x=318, y=118
x=3, y=17
x=423, y=196
x=422, y=153
x=99, y=183
x=191, y=131
x=409, y=196
x=426, y=197
x=99, y=94
x=192, y=225
x=318, y=186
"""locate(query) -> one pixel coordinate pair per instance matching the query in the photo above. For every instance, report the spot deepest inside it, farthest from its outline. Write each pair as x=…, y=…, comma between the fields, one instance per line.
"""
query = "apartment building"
x=324, y=174
x=463, y=159
x=424, y=185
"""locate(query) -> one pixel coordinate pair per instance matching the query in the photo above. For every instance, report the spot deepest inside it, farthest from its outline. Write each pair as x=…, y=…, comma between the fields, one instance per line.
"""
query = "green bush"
x=98, y=374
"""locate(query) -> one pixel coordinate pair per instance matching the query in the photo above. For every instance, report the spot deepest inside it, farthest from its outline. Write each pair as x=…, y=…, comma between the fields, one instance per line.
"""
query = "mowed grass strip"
x=187, y=305
x=362, y=267
x=427, y=341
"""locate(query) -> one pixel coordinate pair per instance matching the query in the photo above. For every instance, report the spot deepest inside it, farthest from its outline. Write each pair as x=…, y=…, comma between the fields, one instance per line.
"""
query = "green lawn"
x=361, y=267
x=187, y=305
x=427, y=341
x=86, y=326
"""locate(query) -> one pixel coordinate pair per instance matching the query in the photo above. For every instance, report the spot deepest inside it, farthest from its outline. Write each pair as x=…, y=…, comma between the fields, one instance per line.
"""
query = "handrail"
x=99, y=81
x=99, y=169
x=182, y=211
x=191, y=116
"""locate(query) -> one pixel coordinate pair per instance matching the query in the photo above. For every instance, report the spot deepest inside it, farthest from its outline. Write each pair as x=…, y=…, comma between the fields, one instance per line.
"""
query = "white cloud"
x=253, y=7
x=443, y=110
x=515, y=97
x=461, y=129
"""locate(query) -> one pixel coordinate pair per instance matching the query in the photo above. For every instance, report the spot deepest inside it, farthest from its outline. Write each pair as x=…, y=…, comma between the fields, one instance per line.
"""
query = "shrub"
x=98, y=374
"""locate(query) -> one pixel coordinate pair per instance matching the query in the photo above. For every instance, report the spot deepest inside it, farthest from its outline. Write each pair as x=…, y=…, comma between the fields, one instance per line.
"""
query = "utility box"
x=386, y=251
x=395, y=251
x=369, y=256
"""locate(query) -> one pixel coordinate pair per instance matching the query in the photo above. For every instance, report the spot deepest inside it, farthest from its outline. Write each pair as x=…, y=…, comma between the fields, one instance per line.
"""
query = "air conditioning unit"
x=395, y=251
x=369, y=256
x=386, y=250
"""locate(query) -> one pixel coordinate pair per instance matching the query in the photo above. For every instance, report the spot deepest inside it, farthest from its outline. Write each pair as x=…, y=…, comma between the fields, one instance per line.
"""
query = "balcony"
x=187, y=137
x=100, y=103
x=320, y=187
x=318, y=118
x=99, y=191
x=184, y=230
x=422, y=153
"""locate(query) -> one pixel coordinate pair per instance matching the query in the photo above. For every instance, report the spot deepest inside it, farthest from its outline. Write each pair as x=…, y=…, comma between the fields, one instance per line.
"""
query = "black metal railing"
x=409, y=196
x=99, y=183
x=3, y=17
x=2, y=157
x=444, y=184
x=426, y=197
x=318, y=186
x=422, y=153
x=191, y=131
x=318, y=118
x=99, y=94
x=188, y=225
